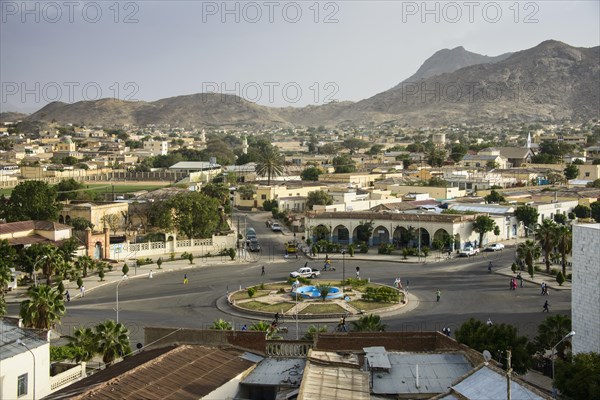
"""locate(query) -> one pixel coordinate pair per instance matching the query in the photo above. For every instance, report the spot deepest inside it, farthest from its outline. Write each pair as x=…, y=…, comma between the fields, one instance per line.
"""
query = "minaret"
x=245, y=145
x=203, y=136
x=529, y=140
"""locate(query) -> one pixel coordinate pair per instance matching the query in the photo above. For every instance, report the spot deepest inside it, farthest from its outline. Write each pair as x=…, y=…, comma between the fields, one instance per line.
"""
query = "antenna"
x=487, y=356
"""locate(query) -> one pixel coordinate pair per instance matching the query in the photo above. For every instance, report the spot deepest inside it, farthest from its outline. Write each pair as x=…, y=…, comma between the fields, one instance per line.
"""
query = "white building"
x=585, y=294
x=24, y=363
x=157, y=148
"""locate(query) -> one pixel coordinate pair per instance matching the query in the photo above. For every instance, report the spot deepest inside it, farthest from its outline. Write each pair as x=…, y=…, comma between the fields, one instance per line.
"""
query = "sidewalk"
x=92, y=281
x=538, y=278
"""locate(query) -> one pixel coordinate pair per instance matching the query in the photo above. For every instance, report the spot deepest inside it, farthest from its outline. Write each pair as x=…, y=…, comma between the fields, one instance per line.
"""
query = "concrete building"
x=585, y=294
x=157, y=148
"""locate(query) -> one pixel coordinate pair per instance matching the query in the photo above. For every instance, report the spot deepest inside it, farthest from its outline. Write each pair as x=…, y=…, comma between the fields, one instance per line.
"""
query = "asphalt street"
x=467, y=291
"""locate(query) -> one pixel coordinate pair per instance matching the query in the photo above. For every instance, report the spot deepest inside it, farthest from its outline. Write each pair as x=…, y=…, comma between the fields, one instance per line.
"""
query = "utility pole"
x=238, y=236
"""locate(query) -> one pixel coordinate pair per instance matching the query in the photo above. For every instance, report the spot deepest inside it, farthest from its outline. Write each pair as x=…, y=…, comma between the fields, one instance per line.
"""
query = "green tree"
x=112, y=341
x=31, y=200
x=221, y=325
x=193, y=214
x=269, y=163
x=457, y=152
x=482, y=225
x=571, y=171
x=354, y=144
x=496, y=339
x=112, y=221
x=260, y=326
x=220, y=192
x=595, y=183
x=369, y=323
x=318, y=197
x=375, y=149
x=83, y=344
x=582, y=211
x=528, y=251
x=68, y=189
x=595, y=210
x=81, y=224
x=328, y=148
x=550, y=332
x=546, y=234
x=312, y=330
x=436, y=157
x=344, y=164
x=579, y=379
x=564, y=243
x=323, y=289
x=528, y=216
x=310, y=174
x=43, y=309
x=8, y=257
x=321, y=232
x=560, y=218
x=494, y=197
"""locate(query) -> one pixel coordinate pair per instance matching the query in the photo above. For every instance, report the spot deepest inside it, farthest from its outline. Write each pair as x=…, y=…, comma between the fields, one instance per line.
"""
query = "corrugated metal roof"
x=436, y=373
x=377, y=357
x=330, y=357
x=12, y=227
x=483, y=208
x=488, y=384
x=186, y=372
x=333, y=382
x=199, y=165
x=277, y=371
x=9, y=334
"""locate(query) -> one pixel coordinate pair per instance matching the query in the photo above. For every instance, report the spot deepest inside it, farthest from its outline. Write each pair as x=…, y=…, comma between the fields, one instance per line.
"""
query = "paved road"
x=468, y=290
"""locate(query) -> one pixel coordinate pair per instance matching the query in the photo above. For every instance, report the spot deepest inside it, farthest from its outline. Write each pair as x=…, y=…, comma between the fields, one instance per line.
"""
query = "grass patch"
x=370, y=305
x=258, y=306
x=322, y=308
x=104, y=188
x=243, y=294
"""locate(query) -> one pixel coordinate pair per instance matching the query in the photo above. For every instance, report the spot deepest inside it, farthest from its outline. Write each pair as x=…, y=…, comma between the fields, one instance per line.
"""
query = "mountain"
x=450, y=60
x=552, y=81
x=11, y=116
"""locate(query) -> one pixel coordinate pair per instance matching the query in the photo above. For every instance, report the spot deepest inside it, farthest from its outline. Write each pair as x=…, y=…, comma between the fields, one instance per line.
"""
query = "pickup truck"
x=468, y=251
x=305, y=272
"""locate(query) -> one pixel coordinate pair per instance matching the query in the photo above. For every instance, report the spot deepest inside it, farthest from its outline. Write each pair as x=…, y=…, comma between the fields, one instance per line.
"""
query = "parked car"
x=495, y=247
x=468, y=251
x=275, y=227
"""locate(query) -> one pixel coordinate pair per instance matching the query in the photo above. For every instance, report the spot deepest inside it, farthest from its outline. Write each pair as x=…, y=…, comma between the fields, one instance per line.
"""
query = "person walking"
x=185, y=279
x=357, y=272
x=489, y=322
x=68, y=295
x=546, y=307
x=262, y=271
x=82, y=289
x=490, y=267
x=543, y=288
x=438, y=294
x=520, y=278
x=150, y=274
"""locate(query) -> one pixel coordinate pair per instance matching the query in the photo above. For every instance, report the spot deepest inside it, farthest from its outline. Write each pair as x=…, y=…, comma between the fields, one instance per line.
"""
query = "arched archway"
x=98, y=251
x=321, y=232
x=380, y=235
x=341, y=235
x=68, y=220
x=61, y=219
x=441, y=239
x=425, y=237
x=457, y=244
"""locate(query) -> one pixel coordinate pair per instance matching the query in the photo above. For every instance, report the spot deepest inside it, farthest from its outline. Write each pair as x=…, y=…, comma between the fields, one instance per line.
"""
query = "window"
x=263, y=196
x=22, y=385
x=587, y=174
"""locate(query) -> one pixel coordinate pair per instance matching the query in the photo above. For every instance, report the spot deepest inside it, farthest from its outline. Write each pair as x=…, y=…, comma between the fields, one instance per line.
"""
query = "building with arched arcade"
x=397, y=228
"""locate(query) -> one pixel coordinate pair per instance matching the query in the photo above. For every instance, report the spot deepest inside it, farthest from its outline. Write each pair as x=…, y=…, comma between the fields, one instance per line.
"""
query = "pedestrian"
x=490, y=267
x=448, y=332
x=438, y=294
x=543, y=288
x=357, y=272
x=546, y=306
x=245, y=327
x=520, y=278
x=185, y=279
x=489, y=322
x=150, y=275
x=262, y=271
x=68, y=295
x=82, y=289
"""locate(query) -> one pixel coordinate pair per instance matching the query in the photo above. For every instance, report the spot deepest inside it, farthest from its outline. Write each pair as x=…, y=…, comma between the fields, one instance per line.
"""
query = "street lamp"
x=123, y=278
x=22, y=343
x=570, y=334
x=344, y=271
x=419, y=233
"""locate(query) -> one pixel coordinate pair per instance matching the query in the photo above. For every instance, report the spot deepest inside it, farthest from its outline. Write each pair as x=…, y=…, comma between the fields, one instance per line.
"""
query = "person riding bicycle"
x=342, y=325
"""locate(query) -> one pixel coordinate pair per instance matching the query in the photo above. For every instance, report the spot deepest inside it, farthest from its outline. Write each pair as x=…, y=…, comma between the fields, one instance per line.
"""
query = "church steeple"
x=529, y=140
x=244, y=145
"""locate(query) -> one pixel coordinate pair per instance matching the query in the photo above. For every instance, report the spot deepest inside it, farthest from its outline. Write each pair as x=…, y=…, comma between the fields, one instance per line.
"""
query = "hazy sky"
x=274, y=53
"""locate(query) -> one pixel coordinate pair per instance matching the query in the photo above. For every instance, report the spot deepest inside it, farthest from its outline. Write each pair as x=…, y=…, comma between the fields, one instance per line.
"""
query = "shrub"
x=554, y=272
x=351, y=249
x=560, y=278
x=261, y=286
x=251, y=291
x=125, y=269
x=425, y=251
x=79, y=282
x=190, y=258
x=308, y=241
x=385, y=248
x=537, y=269
x=363, y=247
x=110, y=266
x=381, y=294
x=231, y=253
x=139, y=262
x=101, y=274
x=513, y=267
x=314, y=249
x=159, y=262
x=172, y=256
x=302, y=280
x=569, y=276
x=405, y=253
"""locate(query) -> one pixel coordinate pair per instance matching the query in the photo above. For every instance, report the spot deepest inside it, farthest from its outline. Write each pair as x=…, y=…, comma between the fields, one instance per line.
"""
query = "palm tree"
x=564, y=242
x=84, y=264
x=52, y=263
x=269, y=163
x=112, y=341
x=44, y=307
x=221, y=325
x=83, y=342
x=528, y=251
x=546, y=232
x=260, y=326
x=551, y=331
x=312, y=330
x=369, y=323
x=324, y=290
